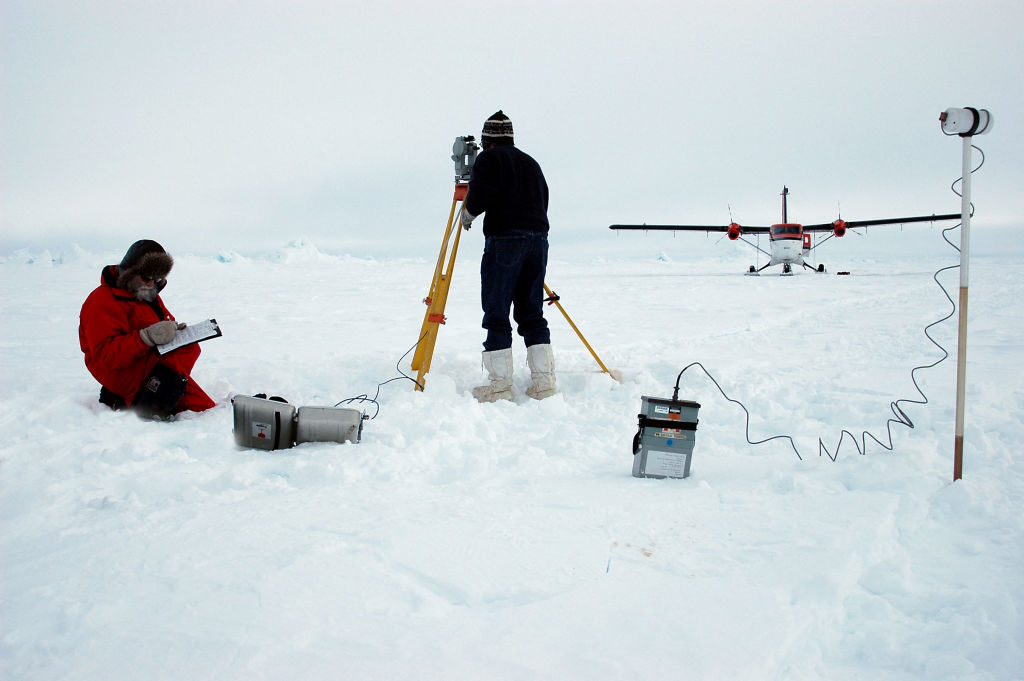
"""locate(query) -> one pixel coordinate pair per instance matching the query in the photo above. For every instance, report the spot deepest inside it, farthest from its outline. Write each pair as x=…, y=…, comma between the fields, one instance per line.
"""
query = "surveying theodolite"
x=464, y=152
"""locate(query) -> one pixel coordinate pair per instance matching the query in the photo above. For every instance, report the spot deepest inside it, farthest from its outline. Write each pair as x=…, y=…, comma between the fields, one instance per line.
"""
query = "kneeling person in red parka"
x=121, y=323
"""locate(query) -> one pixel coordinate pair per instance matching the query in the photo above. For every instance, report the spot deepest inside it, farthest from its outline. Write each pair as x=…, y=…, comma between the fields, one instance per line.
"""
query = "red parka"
x=115, y=355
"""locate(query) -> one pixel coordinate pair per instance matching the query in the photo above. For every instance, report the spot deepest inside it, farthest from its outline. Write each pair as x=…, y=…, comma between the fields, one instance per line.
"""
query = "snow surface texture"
x=509, y=540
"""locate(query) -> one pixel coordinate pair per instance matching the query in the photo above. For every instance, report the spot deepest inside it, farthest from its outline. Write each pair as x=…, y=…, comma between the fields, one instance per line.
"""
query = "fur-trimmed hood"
x=153, y=265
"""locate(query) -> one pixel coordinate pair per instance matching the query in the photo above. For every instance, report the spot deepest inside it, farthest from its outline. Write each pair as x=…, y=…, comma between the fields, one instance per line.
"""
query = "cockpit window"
x=780, y=230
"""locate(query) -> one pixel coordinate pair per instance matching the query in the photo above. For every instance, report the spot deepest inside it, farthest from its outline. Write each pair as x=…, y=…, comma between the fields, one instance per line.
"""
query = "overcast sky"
x=215, y=125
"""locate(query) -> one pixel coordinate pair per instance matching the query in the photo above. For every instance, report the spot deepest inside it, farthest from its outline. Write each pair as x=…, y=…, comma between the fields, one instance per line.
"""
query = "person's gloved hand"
x=160, y=333
x=467, y=219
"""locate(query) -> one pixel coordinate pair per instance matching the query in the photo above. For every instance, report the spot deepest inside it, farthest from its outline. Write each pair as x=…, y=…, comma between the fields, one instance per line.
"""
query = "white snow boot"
x=499, y=370
x=542, y=371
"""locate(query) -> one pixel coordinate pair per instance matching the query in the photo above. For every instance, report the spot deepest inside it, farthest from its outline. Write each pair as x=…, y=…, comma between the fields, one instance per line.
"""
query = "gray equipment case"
x=328, y=424
x=663, y=446
x=260, y=423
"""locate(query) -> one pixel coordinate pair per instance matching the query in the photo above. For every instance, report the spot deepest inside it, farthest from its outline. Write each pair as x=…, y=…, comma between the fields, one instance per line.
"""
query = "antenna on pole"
x=966, y=123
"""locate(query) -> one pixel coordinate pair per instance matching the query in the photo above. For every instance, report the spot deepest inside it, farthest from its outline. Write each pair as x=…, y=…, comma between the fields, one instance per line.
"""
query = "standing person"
x=509, y=187
x=121, y=322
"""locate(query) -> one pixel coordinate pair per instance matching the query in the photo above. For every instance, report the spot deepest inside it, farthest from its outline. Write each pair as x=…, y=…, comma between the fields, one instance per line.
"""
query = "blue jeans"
x=512, y=275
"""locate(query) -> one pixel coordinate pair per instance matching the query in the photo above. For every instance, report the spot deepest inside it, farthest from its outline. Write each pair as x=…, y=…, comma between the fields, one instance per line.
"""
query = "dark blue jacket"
x=509, y=187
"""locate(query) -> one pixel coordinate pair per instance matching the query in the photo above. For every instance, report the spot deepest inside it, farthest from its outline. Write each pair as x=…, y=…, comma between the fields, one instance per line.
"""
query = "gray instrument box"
x=328, y=424
x=262, y=423
x=663, y=446
x=269, y=424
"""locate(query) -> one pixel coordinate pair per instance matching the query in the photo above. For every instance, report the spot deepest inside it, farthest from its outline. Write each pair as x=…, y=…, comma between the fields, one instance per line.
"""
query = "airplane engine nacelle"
x=734, y=232
x=839, y=227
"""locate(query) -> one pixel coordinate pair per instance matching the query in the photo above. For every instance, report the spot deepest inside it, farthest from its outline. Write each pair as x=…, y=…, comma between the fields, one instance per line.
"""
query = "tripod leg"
x=435, y=317
x=437, y=296
x=435, y=283
x=554, y=300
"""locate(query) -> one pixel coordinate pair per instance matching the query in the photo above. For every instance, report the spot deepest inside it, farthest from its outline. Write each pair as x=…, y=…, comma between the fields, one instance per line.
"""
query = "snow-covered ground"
x=509, y=540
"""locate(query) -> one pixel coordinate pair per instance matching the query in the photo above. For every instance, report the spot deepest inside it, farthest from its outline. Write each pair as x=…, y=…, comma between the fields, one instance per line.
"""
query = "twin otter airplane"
x=790, y=241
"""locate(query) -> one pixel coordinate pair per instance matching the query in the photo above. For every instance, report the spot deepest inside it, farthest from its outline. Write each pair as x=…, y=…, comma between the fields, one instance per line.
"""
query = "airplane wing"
x=696, y=228
x=849, y=224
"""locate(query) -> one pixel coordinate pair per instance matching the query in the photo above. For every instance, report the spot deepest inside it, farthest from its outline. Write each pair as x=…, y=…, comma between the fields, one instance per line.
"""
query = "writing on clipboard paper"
x=193, y=333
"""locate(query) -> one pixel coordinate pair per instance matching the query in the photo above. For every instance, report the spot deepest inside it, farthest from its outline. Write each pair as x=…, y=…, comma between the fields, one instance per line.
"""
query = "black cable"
x=365, y=398
x=675, y=396
x=899, y=415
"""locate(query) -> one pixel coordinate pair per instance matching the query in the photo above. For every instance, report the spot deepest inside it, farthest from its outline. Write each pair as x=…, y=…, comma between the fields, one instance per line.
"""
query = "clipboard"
x=193, y=333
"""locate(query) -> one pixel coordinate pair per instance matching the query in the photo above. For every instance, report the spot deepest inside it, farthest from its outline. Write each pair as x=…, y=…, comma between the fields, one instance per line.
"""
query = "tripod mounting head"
x=464, y=153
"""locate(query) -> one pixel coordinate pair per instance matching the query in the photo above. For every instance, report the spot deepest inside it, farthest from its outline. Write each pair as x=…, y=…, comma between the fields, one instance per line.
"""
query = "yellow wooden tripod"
x=437, y=296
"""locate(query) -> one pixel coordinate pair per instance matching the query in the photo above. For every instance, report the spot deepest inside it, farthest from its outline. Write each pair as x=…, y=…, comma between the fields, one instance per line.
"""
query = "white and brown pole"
x=965, y=122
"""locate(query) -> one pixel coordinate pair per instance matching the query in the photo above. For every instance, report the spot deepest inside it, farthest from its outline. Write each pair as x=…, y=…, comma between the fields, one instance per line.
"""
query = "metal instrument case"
x=262, y=423
x=328, y=424
x=663, y=447
x=269, y=424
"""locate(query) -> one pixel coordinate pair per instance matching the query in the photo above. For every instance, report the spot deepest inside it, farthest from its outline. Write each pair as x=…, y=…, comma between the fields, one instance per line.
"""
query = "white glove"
x=467, y=219
x=160, y=333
